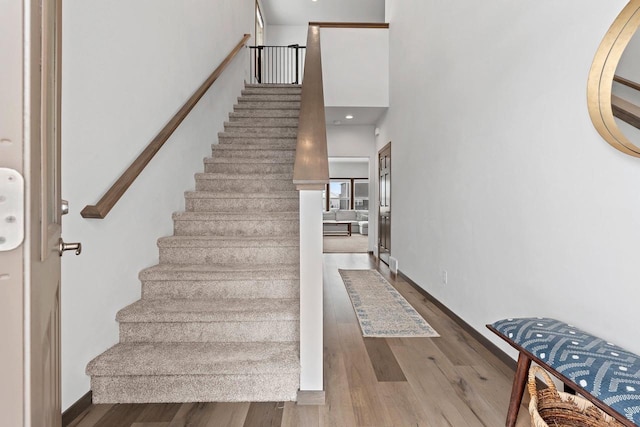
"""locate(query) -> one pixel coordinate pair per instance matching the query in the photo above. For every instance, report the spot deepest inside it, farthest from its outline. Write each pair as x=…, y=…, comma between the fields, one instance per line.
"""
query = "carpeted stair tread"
x=263, y=114
x=237, y=216
x=248, y=160
x=259, y=168
x=262, y=91
x=228, y=201
x=265, y=141
x=149, y=359
x=258, y=105
x=226, y=195
x=214, y=310
x=226, y=242
x=263, y=97
x=258, y=145
x=261, y=133
x=263, y=123
x=220, y=271
x=226, y=175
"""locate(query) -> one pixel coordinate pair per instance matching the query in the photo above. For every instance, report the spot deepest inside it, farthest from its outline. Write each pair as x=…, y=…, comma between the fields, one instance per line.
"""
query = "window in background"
x=346, y=193
x=361, y=194
x=340, y=194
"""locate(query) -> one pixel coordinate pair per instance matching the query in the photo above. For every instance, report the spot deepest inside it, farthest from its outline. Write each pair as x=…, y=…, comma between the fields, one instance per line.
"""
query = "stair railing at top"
x=113, y=194
x=277, y=64
x=623, y=109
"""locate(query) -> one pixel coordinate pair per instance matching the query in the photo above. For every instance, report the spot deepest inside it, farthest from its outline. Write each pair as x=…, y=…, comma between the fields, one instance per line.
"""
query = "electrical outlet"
x=445, y=277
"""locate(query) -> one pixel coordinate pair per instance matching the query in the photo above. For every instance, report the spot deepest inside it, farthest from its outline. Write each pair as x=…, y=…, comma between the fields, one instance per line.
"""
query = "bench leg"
x=519, y=382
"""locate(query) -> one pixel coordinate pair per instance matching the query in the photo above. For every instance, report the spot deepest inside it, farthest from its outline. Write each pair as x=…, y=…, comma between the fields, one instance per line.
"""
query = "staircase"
x=219, y=315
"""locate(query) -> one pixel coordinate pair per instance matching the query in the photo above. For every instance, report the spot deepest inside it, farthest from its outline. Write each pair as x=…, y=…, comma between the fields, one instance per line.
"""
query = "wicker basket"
x=552, y=408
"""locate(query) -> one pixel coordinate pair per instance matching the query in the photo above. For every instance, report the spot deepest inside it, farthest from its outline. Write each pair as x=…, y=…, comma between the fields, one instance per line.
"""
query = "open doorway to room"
x=345, y=201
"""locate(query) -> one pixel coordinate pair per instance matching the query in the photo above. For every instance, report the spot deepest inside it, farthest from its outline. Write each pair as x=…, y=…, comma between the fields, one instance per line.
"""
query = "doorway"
x=345, y=201
x=384, y=195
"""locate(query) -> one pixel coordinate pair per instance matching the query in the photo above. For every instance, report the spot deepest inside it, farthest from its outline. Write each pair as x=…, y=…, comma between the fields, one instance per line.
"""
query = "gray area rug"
x=356, y=243
x=381, y=310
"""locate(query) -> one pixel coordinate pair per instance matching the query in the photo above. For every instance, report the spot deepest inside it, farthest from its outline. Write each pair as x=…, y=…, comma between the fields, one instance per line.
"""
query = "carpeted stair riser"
x=234, y=224
x=277, y=132
x=195, y=388
x=266, y=255
x=276, y=155
x=247, y=228
x=262, y=122
x=269, y=98
x=282, y=134
x=248, y=168
x=199, y=289
x=223, y=272
x=230, y=202
x=268, y=331
x=263, y=114
x=243, y=185
x=248, y=144
x=266, y=141
x=266, y=105
x=281, y=91
x=211, y=250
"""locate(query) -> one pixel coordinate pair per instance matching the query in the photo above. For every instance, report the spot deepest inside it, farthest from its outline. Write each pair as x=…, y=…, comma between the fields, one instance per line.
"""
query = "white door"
x=30, y=135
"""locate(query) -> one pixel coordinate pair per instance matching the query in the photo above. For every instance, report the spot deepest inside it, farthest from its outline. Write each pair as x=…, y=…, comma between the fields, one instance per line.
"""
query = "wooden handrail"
x=374, y=25
x=626, y=82
x=626, y=111
x=311, y=168
x=111, y=197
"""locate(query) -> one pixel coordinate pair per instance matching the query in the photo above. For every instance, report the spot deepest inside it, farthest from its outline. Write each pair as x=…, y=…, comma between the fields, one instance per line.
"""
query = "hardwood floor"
x=447, y=381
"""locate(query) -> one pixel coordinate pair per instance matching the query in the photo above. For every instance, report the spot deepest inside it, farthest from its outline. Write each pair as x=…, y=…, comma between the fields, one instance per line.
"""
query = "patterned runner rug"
x=381, y=310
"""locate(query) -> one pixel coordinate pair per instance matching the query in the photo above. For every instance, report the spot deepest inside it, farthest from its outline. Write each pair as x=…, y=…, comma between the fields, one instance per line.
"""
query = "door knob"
x=62, y=246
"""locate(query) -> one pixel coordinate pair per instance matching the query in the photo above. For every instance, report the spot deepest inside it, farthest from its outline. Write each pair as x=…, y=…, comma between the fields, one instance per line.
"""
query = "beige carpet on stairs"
x=219, y=319
x=356, y=243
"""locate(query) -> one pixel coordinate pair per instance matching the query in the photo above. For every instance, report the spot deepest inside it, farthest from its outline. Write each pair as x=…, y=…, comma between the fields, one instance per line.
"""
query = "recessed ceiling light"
x=348, y=117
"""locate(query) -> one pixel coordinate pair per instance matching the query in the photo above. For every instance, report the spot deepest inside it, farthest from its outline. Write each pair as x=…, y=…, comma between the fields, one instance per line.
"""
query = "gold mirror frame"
x=603, y=69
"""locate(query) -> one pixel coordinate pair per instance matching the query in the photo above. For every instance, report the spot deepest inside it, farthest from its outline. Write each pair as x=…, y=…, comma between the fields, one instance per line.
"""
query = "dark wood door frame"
x=384, y=203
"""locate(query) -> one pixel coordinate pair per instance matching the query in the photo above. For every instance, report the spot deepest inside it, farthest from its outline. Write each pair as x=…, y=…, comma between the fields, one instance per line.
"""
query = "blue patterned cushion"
x=606, y=371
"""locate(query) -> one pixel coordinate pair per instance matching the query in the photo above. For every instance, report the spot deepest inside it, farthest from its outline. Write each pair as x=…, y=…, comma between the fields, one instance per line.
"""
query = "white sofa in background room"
x=333, y=221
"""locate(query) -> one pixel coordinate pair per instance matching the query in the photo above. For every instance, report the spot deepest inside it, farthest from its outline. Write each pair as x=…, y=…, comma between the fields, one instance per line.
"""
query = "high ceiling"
x=300, y=12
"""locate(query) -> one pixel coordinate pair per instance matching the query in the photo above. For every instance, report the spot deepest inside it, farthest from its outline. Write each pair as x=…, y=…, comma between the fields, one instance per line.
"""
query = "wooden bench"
x=602, y=372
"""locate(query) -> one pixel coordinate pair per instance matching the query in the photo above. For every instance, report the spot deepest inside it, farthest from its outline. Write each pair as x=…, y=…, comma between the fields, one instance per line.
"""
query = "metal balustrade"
x=277, y=64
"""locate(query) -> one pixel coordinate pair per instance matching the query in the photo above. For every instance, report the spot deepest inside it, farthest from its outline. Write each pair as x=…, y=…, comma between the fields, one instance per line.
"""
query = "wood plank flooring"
x=448, y=381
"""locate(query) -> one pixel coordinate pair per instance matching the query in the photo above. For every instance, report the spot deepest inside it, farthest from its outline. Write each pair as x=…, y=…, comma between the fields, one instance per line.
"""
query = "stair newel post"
x=311, y=306
x=310, y=175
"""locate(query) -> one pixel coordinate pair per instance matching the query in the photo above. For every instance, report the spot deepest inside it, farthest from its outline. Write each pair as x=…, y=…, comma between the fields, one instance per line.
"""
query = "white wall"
x=498, y=174
x=357, y=141
x=355, y=67
x=284, y=35
x=128, y=67
x=345, y=168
